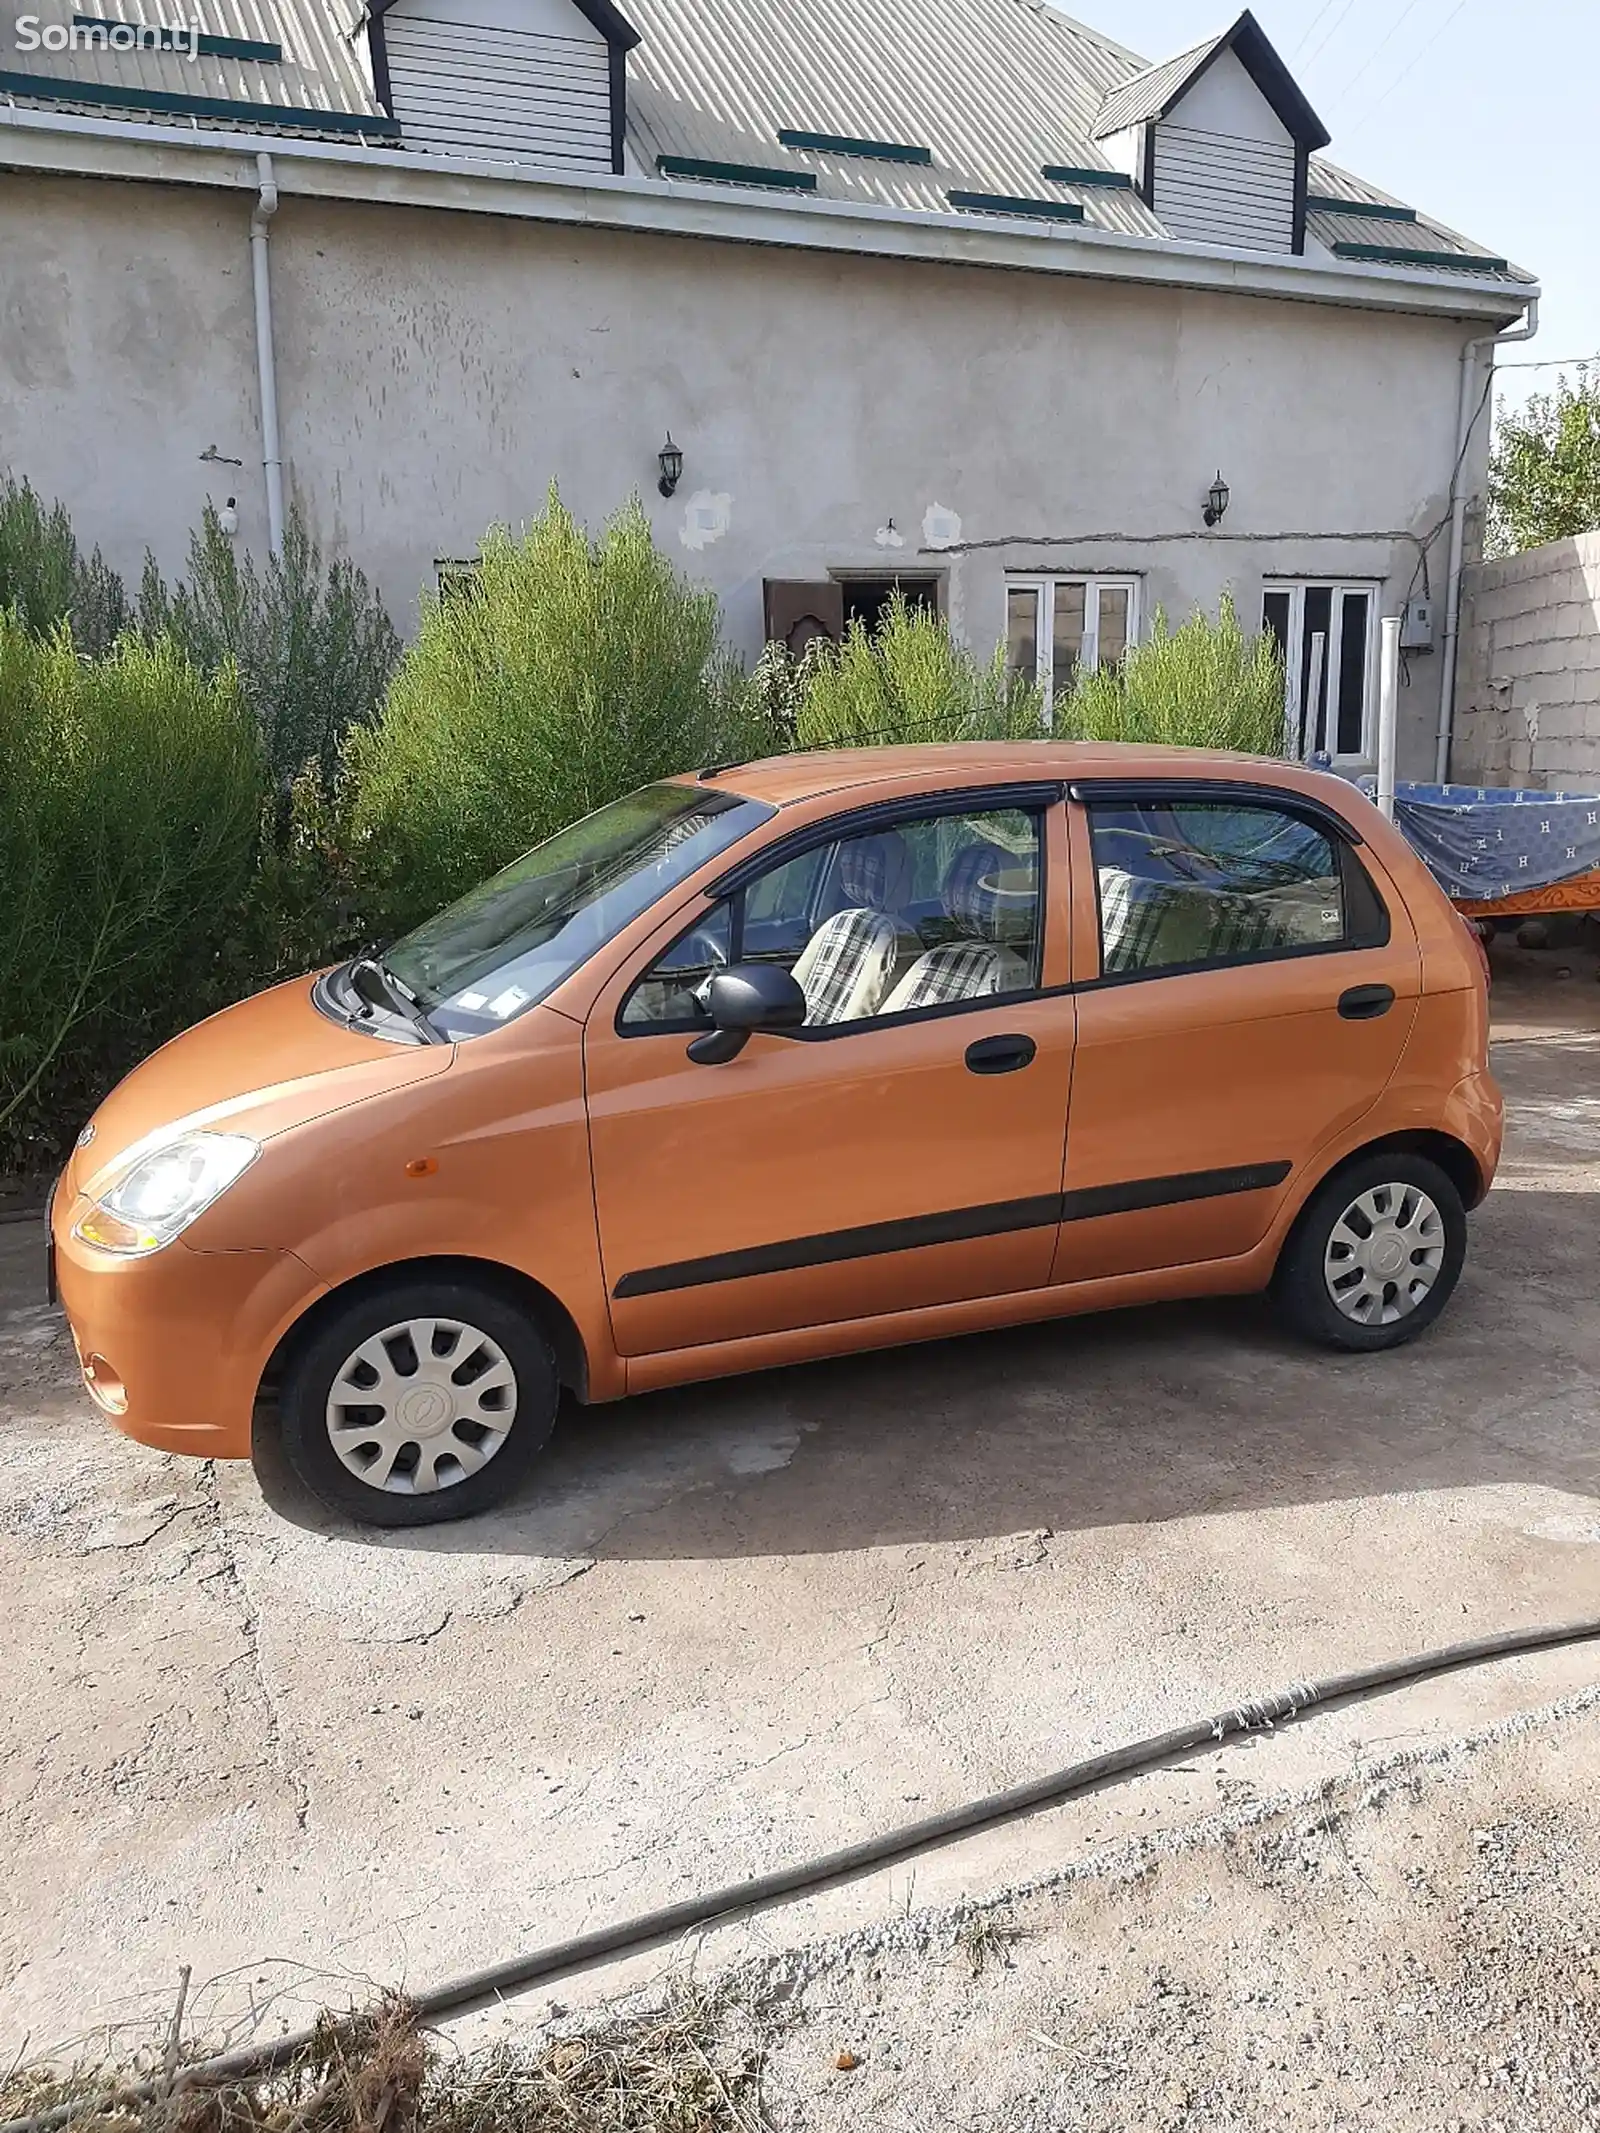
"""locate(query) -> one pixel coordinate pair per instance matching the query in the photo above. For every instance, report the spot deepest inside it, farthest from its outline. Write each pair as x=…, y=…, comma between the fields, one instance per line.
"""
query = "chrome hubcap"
x=421, y=1406
x=1385, y=1254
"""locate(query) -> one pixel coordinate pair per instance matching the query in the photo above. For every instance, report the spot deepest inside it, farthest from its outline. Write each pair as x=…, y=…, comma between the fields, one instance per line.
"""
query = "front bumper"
x=173, y=1346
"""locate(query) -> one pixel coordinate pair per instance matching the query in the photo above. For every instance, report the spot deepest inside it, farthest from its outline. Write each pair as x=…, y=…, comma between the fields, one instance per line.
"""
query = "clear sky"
x=1485, y=113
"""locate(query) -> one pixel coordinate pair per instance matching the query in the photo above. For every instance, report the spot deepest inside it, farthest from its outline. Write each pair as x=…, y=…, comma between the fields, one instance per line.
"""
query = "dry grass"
x=666, y=2071
x=983, y=1938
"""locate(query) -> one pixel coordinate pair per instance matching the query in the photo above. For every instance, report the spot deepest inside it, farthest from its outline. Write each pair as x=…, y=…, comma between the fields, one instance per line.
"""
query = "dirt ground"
x=1411, y=1945
x=739, y=1624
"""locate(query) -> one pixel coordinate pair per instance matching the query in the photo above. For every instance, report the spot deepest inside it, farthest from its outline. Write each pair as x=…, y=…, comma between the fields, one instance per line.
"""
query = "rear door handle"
x=1000, y=1055
x=1365, y=1003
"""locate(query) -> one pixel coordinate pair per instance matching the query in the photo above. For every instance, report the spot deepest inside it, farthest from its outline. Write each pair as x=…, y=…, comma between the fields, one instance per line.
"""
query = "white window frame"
x=1093, y=583
x=1333, y=651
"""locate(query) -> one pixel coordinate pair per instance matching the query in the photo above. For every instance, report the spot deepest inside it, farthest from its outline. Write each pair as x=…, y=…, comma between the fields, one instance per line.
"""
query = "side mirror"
x=744, y=998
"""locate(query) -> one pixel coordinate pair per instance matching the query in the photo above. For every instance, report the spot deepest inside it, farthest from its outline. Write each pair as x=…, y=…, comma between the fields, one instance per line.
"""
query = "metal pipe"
x=1388, y=711
x=1312, y=706
x=1465, y=418
x=266, y=368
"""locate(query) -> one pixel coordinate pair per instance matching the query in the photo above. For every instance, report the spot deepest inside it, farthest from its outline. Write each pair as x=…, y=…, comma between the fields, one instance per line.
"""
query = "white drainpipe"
x=266, y=369
x=1465, y=417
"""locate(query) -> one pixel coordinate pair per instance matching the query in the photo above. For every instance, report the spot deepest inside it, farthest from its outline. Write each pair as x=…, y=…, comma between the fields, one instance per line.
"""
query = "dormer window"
x=1218, y=142
x=524, y=81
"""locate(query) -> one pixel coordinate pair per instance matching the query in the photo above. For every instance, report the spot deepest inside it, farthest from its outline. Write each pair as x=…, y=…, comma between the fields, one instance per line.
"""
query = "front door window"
x=908, y=918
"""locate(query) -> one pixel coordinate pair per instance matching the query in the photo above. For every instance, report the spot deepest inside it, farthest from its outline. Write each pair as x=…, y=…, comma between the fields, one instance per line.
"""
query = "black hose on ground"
x=629, y=1935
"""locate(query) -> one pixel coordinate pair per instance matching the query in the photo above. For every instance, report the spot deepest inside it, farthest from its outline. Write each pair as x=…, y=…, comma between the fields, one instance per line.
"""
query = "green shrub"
x=312, y=643
x=778, y=684
x=910, y=681
x=46, y=581
x=306, y=907
x=1203, y=685
x=569, y=672
x=128, y=816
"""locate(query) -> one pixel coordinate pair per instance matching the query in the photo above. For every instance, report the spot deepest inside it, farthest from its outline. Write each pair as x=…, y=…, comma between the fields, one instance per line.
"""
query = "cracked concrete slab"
x=738, y=1624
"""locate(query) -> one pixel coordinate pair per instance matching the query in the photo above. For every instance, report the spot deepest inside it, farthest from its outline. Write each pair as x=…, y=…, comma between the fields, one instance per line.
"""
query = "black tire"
x=1301, y=1286
x=315, y=1367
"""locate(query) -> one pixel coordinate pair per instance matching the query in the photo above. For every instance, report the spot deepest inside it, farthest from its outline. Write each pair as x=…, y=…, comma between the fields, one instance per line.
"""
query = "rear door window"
x=1184, y=884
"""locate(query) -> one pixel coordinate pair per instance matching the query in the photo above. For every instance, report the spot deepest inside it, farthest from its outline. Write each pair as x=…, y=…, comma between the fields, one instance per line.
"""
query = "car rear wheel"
x=417, y=1402
x=1375, y=1254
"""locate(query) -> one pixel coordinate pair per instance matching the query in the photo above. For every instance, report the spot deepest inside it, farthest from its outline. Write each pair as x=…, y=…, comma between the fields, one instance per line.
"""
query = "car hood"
x=269, y=1063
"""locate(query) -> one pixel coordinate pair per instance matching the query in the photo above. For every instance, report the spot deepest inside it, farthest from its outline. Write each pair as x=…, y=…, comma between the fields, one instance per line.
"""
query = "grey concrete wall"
x=438, y=370
x=1528, y=686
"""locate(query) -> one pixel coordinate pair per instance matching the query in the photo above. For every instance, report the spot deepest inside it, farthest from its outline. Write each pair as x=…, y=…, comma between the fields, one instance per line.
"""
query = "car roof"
x=784, y=780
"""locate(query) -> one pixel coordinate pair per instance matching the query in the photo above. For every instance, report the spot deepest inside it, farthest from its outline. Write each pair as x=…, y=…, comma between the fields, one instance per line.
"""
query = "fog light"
x=105, y=1387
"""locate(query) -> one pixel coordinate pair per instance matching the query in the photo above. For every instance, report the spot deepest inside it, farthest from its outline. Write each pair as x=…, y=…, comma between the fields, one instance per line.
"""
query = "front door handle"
x=1365, y=1003
x=1000, y=1055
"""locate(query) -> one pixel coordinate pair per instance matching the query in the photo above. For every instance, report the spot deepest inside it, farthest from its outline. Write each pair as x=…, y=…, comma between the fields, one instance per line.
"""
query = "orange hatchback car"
x=779, y=1061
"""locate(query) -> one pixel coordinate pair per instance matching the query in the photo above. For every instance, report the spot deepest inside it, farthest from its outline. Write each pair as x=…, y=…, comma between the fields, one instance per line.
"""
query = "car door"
x=1252, y=978
x=904, y=1148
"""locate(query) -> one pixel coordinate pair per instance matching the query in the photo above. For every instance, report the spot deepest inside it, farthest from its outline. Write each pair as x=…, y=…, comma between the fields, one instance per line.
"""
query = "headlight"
x=162, y=1190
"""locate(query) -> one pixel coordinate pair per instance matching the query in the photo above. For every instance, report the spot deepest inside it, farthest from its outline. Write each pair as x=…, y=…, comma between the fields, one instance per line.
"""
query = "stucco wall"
x=438, y=370
x=1528, y=686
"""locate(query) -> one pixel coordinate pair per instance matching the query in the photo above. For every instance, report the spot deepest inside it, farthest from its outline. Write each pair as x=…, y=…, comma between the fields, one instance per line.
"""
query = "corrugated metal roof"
x=994, y=89
x=1326, y=226
x=1147, y=95
x=323, y=67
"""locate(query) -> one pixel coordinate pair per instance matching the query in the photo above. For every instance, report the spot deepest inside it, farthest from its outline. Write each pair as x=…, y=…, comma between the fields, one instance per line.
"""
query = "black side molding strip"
x=1129, y=1199
x=873, y=1239
x=956, y=1225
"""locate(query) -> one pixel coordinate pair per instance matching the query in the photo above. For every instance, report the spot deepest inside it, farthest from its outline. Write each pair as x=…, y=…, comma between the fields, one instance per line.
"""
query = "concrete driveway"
x=742, y=1623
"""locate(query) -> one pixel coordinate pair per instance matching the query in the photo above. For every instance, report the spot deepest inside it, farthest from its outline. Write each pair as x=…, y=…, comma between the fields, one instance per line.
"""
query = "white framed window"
x=1327, y=635
x=1057, y=628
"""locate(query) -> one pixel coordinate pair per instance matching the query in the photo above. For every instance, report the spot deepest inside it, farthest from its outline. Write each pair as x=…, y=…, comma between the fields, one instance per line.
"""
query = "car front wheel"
x=418, y=1401
x=1375, y=1254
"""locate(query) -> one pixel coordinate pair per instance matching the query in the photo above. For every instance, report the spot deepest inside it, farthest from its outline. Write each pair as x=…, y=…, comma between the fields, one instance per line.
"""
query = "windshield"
x=511, y=940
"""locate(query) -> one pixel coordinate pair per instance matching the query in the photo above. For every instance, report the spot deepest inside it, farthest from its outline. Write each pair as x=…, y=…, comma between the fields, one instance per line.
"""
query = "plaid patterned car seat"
x=988, y=893
x=875, y=872
x=845, y=966
x=1151, y=925
x=848, y=963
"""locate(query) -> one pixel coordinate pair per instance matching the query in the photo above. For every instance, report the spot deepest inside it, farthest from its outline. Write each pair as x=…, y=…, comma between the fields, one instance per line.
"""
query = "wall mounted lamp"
x=1216, y=500
x=670, y=461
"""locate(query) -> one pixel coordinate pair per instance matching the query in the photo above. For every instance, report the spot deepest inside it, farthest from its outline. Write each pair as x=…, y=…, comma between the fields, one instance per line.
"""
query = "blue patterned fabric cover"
x=1482, y=842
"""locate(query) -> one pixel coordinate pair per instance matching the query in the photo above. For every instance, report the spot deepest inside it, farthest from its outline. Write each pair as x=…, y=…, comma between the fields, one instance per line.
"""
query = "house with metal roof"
x=959, y=295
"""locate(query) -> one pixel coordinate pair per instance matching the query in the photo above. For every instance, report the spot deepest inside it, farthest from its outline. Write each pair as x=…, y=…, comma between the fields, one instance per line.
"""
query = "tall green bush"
x=1202, y=685
x=570, y=671
x=129, y=806
x=312, y=643
x=910, y=681
x=45, y=578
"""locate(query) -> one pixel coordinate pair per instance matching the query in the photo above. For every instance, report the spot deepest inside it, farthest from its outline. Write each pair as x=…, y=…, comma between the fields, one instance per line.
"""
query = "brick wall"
x=1528, y=682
